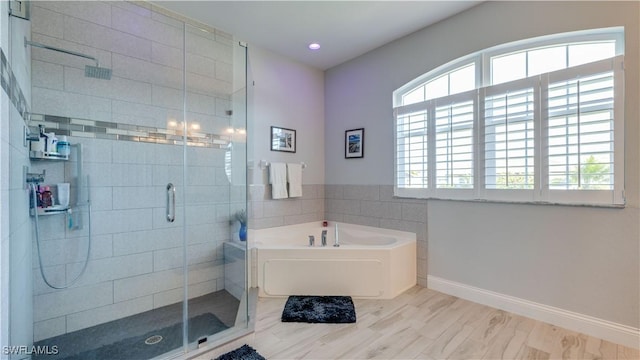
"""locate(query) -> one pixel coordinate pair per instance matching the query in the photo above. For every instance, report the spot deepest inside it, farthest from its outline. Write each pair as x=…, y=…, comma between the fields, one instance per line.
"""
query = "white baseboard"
x=603, y=329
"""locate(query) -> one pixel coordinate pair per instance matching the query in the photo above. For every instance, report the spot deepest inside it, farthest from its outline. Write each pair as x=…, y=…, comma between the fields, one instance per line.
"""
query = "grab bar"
x=171, y=202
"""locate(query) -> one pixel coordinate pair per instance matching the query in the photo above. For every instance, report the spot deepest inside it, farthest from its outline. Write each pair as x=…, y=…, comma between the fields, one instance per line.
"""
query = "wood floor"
x=425, y=324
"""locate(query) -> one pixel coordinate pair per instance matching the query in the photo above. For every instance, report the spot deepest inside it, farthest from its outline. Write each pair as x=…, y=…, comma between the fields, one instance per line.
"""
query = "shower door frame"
x=237, y=136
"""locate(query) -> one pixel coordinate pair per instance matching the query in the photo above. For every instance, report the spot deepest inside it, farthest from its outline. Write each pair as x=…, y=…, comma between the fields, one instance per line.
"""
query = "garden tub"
x=369, y=263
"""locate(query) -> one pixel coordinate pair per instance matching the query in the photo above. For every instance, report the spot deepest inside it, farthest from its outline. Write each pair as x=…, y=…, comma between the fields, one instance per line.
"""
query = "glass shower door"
x=157, y=171
x=215, y=185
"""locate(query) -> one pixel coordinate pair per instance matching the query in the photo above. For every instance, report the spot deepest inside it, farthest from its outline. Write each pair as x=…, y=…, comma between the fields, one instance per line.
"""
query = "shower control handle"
x=171, y=202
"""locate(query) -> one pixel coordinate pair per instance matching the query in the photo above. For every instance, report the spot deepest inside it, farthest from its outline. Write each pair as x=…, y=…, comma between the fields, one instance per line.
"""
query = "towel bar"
x=265, y=164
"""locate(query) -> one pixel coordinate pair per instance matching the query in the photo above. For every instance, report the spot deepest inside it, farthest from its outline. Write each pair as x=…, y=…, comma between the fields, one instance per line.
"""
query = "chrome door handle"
x=171, y=202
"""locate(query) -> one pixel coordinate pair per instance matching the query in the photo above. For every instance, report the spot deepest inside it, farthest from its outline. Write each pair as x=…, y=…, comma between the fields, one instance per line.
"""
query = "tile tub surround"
x=369, y=205
x=264, y=212
x=375, y=205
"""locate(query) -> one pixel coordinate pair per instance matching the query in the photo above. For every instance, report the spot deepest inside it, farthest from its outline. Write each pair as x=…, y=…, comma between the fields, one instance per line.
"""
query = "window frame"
x=614, y=33
x=540, y=193
x=422, y=80
x=512, y=195
x=615, y=196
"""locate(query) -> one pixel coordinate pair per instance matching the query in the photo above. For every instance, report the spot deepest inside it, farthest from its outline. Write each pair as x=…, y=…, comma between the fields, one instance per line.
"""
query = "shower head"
x=97, y=72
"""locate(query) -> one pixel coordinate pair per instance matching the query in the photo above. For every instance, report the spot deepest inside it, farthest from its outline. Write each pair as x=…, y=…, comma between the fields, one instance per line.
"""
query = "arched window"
x=536, y=121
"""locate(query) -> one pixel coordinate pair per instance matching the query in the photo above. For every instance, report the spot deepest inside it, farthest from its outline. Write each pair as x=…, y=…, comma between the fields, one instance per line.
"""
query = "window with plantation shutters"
x=411, y=149
x=454, y=127
x=584, y=133
x=534, y=136
x=509, y=150
x=509, y=139
x=580, y=132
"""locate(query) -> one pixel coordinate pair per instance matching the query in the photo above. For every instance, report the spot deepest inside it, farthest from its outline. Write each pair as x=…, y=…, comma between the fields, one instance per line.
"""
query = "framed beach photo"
x=354, y=143
x=283, y=139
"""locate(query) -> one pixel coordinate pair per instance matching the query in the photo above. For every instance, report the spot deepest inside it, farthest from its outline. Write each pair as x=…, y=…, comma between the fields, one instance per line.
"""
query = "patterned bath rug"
x=245, y=352
x=319, y=309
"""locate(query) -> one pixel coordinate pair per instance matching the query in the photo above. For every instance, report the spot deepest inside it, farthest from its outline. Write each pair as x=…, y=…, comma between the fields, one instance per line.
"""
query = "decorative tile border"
x=125, y=132
x=100, y=129
x=11, y=87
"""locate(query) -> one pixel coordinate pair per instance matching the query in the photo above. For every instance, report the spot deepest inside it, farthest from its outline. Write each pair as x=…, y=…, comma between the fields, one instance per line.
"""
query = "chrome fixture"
x=96, y=72
x=263, y=164
x=324, y=237
x=28, y=134
x=312, y=240
x=337, y=243
x=171, y=202
x=34, y=178
x=33, y=189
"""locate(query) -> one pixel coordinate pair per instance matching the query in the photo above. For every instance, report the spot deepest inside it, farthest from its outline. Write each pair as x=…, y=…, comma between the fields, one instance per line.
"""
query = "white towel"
x=294, y=177
x=278, y=180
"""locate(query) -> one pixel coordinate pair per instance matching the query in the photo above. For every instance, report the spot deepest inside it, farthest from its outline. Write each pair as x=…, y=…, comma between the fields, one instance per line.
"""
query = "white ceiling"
x=344, y=29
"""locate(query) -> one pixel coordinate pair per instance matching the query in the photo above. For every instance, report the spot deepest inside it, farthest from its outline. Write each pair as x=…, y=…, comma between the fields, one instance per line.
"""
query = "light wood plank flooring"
x=425, y=324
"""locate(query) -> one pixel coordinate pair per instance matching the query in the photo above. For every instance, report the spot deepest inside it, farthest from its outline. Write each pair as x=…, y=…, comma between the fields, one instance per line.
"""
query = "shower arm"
x=69, y=52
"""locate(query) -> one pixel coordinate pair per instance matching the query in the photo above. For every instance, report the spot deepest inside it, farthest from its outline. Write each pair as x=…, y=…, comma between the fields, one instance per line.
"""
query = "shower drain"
x=152, y=340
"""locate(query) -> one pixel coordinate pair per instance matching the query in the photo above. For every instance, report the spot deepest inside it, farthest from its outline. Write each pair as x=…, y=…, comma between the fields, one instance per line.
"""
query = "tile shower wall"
x=375, y=205
x=136, y=256
x=16, y=225
x=265, y=212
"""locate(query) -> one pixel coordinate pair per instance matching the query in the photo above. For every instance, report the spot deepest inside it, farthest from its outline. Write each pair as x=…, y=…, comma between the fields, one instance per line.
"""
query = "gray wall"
x=287, y=94
x=579, y=259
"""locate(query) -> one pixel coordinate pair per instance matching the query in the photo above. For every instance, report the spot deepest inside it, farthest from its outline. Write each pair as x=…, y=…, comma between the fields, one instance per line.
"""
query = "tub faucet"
x=324, y=237
x=312, y=240
x=337, y=243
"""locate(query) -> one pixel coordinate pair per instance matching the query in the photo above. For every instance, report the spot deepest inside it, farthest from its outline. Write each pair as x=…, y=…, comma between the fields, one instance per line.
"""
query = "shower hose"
x=33, y=188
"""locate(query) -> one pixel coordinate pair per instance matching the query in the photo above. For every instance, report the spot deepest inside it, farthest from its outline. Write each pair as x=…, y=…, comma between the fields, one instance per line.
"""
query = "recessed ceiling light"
x=314, y=46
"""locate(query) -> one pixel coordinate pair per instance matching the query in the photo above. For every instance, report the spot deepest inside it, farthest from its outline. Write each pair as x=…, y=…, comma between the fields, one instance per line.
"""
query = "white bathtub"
x=370, y=262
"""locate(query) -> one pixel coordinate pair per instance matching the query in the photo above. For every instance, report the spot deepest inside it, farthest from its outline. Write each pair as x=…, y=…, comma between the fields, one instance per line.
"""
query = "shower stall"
x=145, y=259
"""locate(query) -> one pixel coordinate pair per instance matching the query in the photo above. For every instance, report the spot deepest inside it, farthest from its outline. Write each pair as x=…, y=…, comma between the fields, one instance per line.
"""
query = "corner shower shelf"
x=52, y=210
x=41, y=155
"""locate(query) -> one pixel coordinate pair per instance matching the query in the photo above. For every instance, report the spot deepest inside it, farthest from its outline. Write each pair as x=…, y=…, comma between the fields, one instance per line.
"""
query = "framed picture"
x=283, y=139
x=354, y=143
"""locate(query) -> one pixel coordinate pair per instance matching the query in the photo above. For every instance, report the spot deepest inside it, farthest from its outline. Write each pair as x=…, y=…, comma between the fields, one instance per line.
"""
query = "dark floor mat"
x=245, y=352
x=319, y=309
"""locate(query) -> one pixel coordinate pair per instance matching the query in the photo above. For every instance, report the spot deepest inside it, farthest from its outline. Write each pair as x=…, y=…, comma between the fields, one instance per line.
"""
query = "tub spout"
x=337, y=243
x=312, y=240
x=324, y=237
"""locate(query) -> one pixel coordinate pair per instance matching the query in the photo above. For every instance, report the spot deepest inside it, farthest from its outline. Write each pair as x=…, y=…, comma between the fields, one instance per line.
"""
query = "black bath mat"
x=319, y=309
x=136, y=348
x=245, y=352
